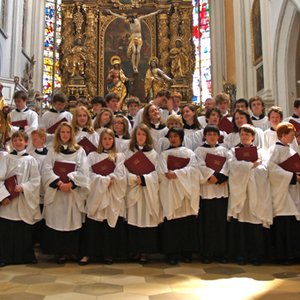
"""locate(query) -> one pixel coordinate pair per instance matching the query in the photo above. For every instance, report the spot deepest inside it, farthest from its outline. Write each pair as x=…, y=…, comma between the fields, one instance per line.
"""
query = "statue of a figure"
x=4, y=121
x=135, y=40
x=117, y=82
x=179, y=60
x=155, y=80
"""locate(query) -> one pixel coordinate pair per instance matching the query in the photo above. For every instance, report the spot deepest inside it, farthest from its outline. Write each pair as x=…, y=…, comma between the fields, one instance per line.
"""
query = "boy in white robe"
x=259, y=118
x=18, y=214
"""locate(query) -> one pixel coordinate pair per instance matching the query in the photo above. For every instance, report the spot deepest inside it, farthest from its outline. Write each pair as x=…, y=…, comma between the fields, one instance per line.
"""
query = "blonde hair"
x=88, y=126
x=112, y=153
x=149, y=142
x=174, y=118
x=222, y=97
x=72, y=145
x=98, y=118
x=40, y=132
x=284, y=128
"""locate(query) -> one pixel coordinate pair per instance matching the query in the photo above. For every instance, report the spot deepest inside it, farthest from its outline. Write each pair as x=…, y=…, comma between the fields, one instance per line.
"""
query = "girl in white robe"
x=105, y=229
x=212, y=217
x=103, y=120
x=64, y=202
x=82, y=125
x=179, y=196
x=142, y=201
x=250, y=203
x=18, y=214
x=122, y=136
x=286, y=197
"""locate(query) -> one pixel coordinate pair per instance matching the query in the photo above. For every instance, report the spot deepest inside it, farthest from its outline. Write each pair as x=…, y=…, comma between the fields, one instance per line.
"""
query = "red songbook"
x=292, y=164
x=87, y=145
x=62, y=169
x=246, y=153
x=221, y=139
x=104, y=167
x=226, y=125
x=10, y=184
x=21, y=123
x=296, y=124
x=215, y=162
x=139, y=164
x=52, y=129
x=175, y=162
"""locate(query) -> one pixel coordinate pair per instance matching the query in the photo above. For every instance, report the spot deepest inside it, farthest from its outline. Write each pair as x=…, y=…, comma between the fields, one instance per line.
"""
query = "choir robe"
x=25, y=114
x=164, y=144
x=233, y=139
x=122, y=144
x=158, y=132
x=189, y=133
x=106, y=211
x=51, y=117
x=286, y=204
x=261, y=122
x=63, y=212
x=180, y=202
x=17, y=218
x=212, y=216
x=249, y=207
x=92, y=137
x=198, y=138
x=202, y=121
x=143, y=209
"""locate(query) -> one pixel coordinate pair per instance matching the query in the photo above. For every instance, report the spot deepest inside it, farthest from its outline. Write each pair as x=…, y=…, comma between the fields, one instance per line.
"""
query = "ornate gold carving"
x=179, y=60
x=133, y=4
x=164, y=42
x=78, y=20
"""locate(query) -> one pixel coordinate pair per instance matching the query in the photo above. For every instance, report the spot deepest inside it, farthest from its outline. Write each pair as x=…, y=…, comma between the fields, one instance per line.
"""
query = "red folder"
x=139, y=164
x=62, y=169
x=10, y=184
x=21, y=123
x=221, y=139
x=246, y=153
x=215, y=162
x=87, y=145
x=175, y=162
x=52, y=129
x=292, y=164
x=225, y=125
x=296, y=124
x=104, y=167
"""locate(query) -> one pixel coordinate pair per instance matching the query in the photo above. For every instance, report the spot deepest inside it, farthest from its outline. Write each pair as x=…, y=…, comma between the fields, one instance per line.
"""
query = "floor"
x=154, y=281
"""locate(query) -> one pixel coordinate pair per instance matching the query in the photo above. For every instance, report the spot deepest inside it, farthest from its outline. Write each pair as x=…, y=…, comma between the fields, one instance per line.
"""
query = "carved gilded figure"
x=179, y=60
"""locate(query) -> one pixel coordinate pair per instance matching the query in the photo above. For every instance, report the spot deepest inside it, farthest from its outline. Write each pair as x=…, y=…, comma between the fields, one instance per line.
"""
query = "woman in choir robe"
x=240, y=118
x=65, y=178
x=213, y=117
x=179, y=196
x=122, y=135
x=250, y=203
x=18, y=212
x=103, y=120
x=212, y=216
x=142, y=200
x=286, y=197
x=105, y=229
x=152, y=119
x=82, y=125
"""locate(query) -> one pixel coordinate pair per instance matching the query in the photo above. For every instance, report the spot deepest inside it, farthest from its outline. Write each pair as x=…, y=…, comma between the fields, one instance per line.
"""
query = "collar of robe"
x=240, y=145
x=19, y=153
x=65, y=150
x=121, y=137
x=55, y=111
x=172, y=147
x=157, y=126
x=84, y=129
x=41, y=151
x=281, y=144
x=142, y=148
x=187, y=126
x=257, y=118
x=22, y=110
x=272, y=129
x=295, y=116
x=205, y=145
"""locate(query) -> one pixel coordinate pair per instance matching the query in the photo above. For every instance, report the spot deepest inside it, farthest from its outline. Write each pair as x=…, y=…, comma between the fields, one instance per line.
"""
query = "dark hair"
x=243, y=113
x=98, y=100
x=241, y=100
x=111, y=96
x=59, y=97
x=296, y=103
x=20, y=95
x=211, y=128
x=211, y=110
x=163, y=93
x=247, y=128
x=178, y=131
x=132, y=100
x=257, y=98
x=193, y=108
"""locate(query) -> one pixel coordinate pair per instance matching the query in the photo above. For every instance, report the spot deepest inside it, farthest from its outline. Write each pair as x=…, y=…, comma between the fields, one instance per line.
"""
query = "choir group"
x=102, y=185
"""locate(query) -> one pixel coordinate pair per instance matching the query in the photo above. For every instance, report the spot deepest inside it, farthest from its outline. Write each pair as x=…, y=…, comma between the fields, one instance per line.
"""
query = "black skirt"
x=142, y=240
x=179, y=235
x=100, y=240
x=16, y=245
x=212, y=227
x=61, y=242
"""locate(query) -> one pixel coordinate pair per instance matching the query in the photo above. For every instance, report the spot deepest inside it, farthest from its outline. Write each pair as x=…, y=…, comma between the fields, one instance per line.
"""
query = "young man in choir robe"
x=19, y=207
x=56, y=114
x=285, y=188
x=223, y=104
x=179, y=196
x=133, y=106
x=241, y=104
x=259, y=118
x=296, y=115
x=212, y=216
x=97, y=103
x=22, y=114
x=177, y=98
x=250, y=202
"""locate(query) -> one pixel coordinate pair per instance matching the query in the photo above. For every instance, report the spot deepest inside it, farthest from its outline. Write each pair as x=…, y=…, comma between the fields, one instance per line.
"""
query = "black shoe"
x=206, y=260
x=143, y=260
x=2, y=264
x=187, y=260
x=108, y=261
x=61, y=260
x=34, y=261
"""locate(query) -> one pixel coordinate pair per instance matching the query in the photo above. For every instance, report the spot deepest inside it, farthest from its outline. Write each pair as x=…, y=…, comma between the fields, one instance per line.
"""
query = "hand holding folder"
x=139, y=164
x=215, y=162
x=292, y=164
x=62, y=169
x=175, y=162
x=246, y=153
x=10, y=184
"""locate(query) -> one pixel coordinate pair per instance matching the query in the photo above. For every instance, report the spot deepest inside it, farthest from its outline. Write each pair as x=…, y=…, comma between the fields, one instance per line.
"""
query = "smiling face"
x=65, y=135
x=19, y=143
x=240, y=120
x=188, y=115
x=154, y=114
x=38, y=141
x=275, y=118
x=246, y=137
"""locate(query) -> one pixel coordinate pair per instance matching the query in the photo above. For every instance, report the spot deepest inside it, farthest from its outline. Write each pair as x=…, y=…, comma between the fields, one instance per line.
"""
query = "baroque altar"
x=95, y=33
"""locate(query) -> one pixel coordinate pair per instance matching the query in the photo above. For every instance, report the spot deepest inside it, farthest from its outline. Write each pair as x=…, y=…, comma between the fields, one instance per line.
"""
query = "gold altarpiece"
x=90, y=37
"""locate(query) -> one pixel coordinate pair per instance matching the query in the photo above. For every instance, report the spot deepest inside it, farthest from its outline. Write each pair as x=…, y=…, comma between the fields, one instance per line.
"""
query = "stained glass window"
x=52, y=39
x=202, y=88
